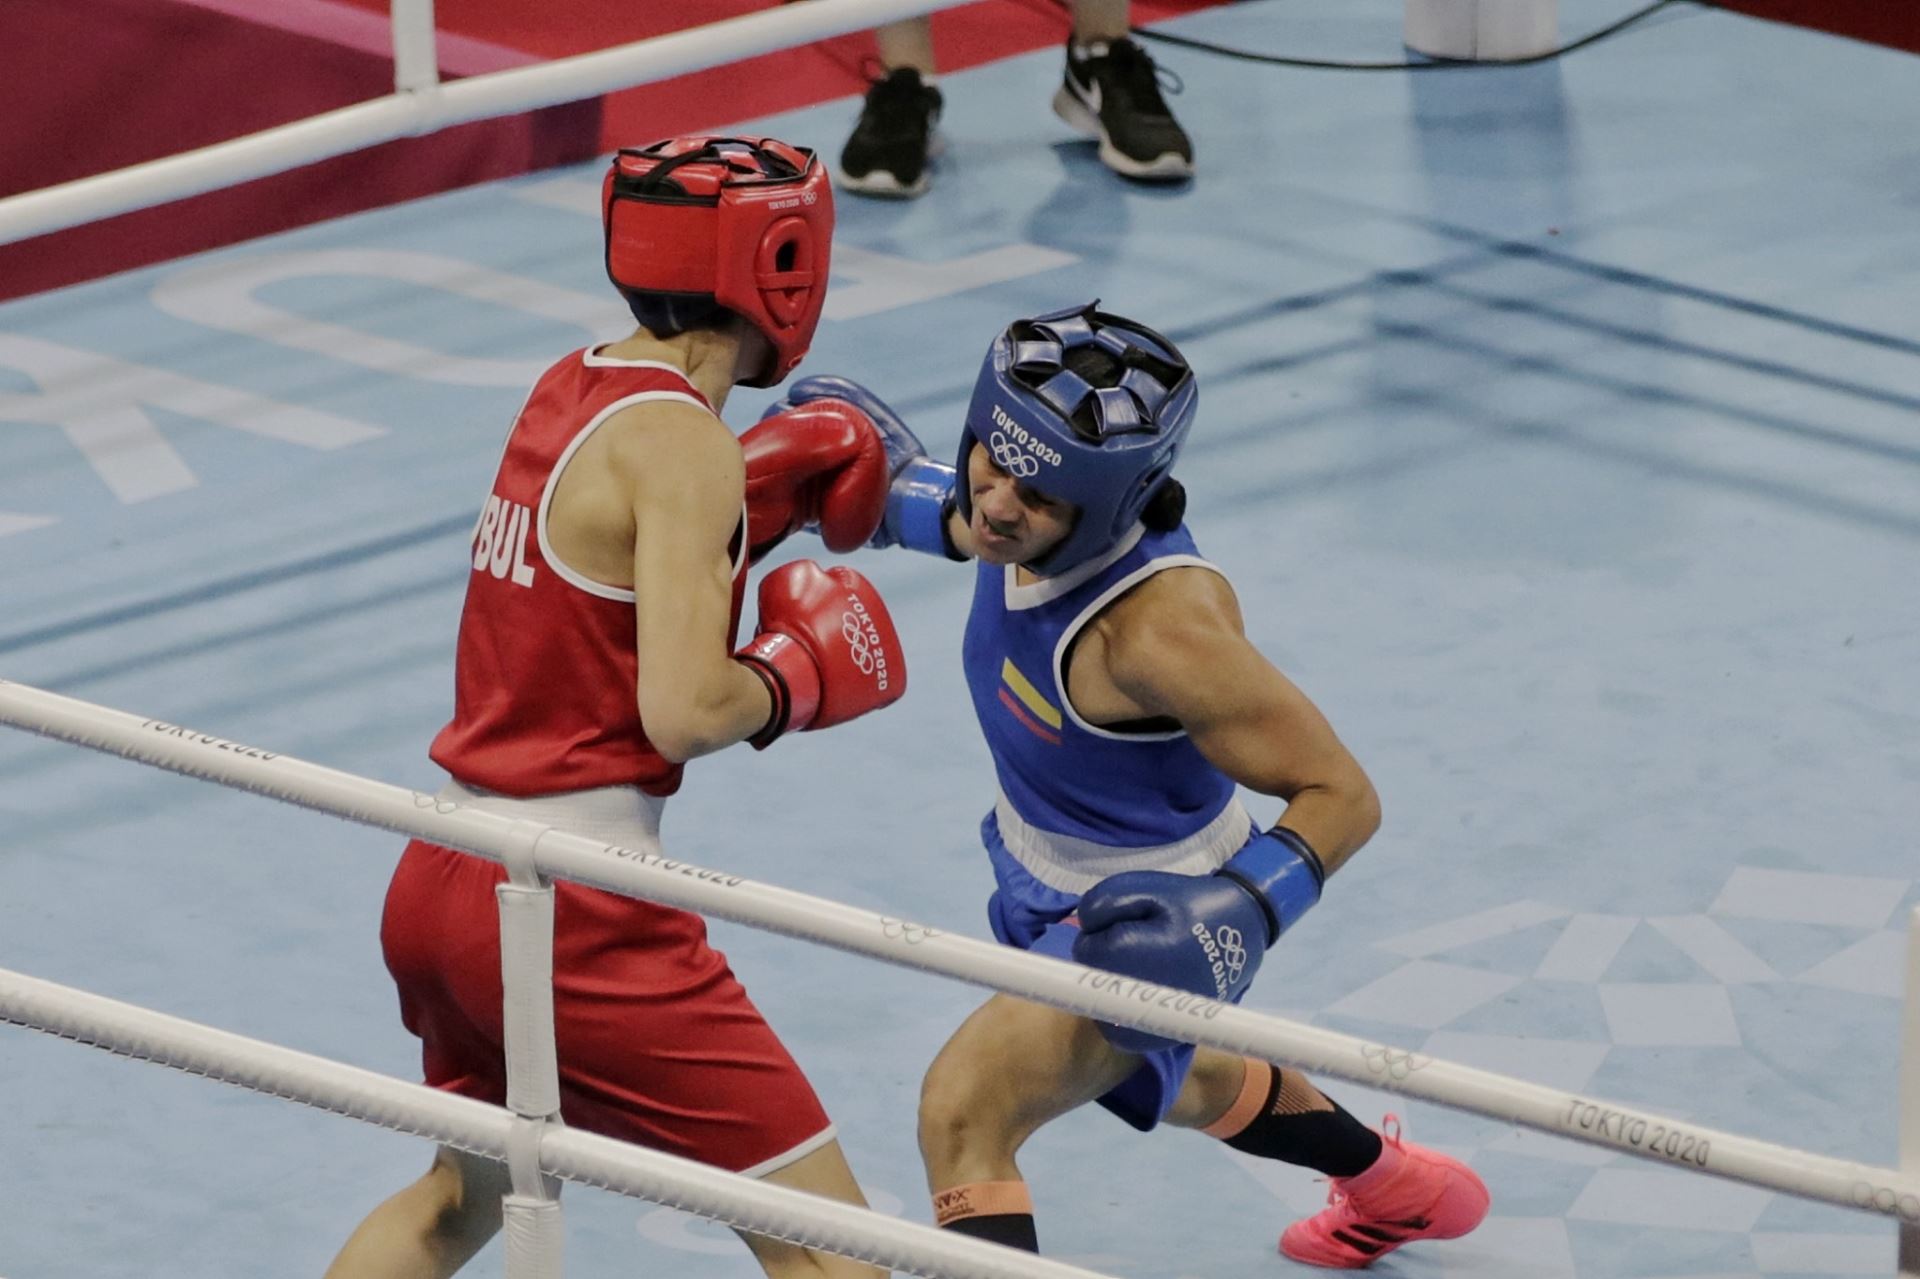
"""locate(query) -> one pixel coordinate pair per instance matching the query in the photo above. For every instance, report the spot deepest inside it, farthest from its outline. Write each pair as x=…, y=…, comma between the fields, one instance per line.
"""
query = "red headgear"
x=743, y=221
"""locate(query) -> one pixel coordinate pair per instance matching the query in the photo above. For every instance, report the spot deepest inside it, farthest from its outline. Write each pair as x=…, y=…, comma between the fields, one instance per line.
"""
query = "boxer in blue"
x=1124, y=705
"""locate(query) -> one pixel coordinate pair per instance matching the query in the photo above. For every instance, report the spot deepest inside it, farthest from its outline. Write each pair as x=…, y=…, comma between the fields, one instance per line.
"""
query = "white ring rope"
x=433, y=106
x=648, y=873
x=584, y=1157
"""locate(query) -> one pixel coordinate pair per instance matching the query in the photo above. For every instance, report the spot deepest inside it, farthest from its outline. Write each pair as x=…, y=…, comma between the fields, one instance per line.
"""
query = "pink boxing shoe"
x=1410, y=1193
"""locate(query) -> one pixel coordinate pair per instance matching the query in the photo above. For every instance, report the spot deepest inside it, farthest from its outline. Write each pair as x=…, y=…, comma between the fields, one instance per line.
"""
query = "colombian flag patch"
x=1018, y=695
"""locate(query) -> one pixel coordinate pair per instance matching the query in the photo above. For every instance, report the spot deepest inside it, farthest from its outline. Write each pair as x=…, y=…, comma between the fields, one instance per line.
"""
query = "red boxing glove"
x=826, y=648
x=820, y=463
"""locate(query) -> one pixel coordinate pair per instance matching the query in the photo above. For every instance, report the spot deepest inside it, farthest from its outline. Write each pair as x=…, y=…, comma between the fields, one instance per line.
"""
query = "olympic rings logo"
x=858, y=629
x=1233, y=952
x=1011, y=459
x=900, y=930
x=857, y=647
x=1887, y=1200
x=1395, y=1063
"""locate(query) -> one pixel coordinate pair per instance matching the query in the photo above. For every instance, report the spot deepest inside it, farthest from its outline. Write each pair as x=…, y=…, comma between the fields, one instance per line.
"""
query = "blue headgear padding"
x=1105, y=449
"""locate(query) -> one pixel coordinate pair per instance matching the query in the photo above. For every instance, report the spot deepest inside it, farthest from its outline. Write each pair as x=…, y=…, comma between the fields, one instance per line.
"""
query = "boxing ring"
x=524, y=1135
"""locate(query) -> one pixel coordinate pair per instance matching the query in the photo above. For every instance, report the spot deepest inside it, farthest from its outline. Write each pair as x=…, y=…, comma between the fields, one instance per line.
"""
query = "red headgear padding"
x=745, y=221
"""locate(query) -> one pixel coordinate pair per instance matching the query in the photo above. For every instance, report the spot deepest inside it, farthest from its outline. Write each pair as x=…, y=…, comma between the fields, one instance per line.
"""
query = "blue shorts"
x=1026, y=913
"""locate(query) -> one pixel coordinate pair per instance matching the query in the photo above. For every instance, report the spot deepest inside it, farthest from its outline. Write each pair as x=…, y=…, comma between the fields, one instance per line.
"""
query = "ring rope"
x=587, y=1158
x=650, y=874
x=426, y=107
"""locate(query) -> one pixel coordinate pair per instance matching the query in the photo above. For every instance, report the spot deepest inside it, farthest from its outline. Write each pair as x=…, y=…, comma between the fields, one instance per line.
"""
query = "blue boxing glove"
x=920, y=496
x=1203, y=933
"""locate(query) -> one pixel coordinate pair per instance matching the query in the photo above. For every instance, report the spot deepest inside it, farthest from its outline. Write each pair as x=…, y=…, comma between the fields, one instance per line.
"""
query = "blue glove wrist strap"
x=1283, y=874
x=918, y=504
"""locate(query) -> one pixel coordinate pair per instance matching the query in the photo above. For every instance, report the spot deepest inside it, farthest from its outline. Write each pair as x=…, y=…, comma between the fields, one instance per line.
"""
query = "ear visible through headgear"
x=784, y=270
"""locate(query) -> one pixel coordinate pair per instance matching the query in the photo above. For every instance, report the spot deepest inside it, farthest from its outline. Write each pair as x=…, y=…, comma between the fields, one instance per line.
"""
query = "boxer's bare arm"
x=1176, y=646
x=683, y=476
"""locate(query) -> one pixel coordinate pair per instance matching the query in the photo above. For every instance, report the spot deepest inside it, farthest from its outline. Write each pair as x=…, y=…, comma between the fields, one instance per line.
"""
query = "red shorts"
x=658, y=1043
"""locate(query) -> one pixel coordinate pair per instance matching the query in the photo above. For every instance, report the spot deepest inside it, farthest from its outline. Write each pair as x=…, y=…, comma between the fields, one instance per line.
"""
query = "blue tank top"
x=1060, y=775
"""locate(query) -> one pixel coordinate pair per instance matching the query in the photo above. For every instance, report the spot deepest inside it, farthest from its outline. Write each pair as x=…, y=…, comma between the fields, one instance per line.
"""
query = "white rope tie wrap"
x=648, y=873
x=531, y=1218
x=526, y=973
x=535, y=1239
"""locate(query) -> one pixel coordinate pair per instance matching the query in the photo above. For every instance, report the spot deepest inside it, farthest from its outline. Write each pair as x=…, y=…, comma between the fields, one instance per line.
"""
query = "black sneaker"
x=888, y=152
x=1113, y=94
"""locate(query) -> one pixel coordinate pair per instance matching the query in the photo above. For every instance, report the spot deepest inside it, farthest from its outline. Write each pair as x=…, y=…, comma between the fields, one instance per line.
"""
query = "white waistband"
x=624, y=815
x=1073, y=865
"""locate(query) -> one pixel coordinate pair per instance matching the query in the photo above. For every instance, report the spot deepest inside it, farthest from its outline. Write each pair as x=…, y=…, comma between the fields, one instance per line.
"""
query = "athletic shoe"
x=1411, y=1193
x=890, y=147
x=1111, y=91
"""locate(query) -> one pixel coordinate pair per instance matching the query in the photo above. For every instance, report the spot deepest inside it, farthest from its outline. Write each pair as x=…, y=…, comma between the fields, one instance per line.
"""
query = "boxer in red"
x=596, y=656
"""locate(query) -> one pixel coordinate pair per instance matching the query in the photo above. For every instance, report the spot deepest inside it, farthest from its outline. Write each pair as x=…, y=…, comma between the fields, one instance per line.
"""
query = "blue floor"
x=1560, y=434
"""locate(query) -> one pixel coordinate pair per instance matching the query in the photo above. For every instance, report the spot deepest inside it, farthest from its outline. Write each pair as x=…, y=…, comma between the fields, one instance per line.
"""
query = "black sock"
x=1014, y=1229
x=1327, y=1140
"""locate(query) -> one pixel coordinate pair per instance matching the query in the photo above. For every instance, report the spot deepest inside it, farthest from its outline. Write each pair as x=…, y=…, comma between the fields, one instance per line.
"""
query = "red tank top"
x=545, y=674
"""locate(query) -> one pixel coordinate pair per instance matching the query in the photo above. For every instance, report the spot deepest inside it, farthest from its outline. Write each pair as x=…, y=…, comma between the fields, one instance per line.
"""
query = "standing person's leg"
x=1111, y=92
x=1014, y=1066
x=433, y=1227
x=890, y=149
x=1095, y=21
x=1384, y=1192
x=907, y=43
x=821, y=1172
x=1274, y=1113
x=660, y=1045
x=439, y=904
x=1011, y=1068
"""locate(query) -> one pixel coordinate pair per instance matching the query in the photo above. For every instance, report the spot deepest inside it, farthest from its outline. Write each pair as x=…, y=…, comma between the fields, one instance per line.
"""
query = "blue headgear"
x=1105, y=449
